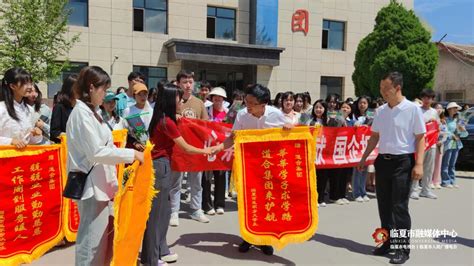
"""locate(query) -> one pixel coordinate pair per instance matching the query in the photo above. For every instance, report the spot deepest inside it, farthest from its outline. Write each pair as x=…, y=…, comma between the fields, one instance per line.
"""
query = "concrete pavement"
x=343, y=236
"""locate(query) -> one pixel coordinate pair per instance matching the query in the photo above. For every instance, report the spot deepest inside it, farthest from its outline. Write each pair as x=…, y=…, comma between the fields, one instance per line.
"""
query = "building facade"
x=303, y=45
x=454, y=79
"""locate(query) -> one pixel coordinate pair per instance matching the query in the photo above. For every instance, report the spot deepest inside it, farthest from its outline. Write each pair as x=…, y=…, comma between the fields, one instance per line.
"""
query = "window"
x=54, y=87
x=79, y=12
x=153, y=75
x=333, y=35
x=220, y=23
x=457, y=96
x=265, y=29
x=330, y=85
x=150, y=16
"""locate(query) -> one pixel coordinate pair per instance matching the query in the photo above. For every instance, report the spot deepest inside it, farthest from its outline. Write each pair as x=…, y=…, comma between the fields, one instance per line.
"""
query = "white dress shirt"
x=10, y=128
x=271, y=118
x=86, y=142
x=398, y=127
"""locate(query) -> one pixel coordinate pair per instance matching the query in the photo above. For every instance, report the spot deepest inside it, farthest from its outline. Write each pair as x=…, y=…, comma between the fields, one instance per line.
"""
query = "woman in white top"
x=16, y=127
x=42, y=113
x=109, y=112
x=287, y=105
x=90, y=146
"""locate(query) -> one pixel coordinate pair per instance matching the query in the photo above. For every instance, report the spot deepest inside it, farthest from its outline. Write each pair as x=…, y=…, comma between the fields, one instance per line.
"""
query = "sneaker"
x=322, y=204
x=432, y=186
x=437, y=186
x=199, y=216
x=340, y=202
x=450, y=186
x=172, y=257
x=414, y=195
x=211, y=212
x=455, y=186
x=162, y=263
x=174, y=219
x=233, y=194
x=429, y=195
x=346, y=201
x=220, y=211
x=366, y=198
x=359, y=199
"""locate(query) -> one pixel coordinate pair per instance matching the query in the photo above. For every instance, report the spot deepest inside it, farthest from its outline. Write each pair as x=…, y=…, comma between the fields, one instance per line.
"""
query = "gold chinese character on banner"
x=17, y=170
x=299, y=174
x=35, y=167
x=298, y=157
x=286, y=216
x=267, y=175
x=18, y=189
x=269, y=196
x=51, y=169
x=285, y=195
x=20, y=218
x=283, y=174
x=297, y=145
x=269, y=206
x=35, y=186
x=20, y=227
x=282, y=153
x=285, y=205
x=266, y=164
x=36, y=177
x=37, y=231
x=20, y=208
x=51, y=157
x=36, y=195
x=268, y=185
x=18, y=198
x=283, y=163
x=270, y=217
x=37, y=214
x=266, y=154
x=36, y=204
x=284, y=185
x=18, y=179
x=37, y=223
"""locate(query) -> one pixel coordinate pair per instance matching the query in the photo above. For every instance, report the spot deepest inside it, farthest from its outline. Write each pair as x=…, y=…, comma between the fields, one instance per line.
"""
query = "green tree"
x=398, y=42
x=33, y=36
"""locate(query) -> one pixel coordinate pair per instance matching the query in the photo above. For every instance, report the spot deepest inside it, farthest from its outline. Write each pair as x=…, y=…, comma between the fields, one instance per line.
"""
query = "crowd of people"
x=87, y=111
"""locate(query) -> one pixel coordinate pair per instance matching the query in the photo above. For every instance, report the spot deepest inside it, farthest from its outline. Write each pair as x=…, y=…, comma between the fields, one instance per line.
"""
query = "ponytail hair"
x=13, y=76
x=90, y=75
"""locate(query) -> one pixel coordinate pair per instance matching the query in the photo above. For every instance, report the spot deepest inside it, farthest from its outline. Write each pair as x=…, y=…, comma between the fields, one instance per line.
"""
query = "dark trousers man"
x=393, y=183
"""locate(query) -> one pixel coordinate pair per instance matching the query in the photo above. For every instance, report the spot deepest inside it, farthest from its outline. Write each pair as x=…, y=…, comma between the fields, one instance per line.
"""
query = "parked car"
x=466, y=155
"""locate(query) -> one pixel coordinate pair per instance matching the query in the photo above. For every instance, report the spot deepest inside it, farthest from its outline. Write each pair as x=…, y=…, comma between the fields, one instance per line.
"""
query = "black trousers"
x=393, y=183
x=338, y=182
x=322, y=176
x=219, y=190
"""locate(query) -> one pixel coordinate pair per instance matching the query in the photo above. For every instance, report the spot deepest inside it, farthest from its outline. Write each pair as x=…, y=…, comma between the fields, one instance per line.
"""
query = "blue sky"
x=454, y=17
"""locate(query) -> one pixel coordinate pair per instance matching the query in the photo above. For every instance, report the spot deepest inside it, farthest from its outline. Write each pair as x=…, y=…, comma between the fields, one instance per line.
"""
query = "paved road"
x=343, y=236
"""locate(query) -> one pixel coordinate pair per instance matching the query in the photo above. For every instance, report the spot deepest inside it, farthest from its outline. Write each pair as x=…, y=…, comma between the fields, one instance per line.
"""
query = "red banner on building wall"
x=31, y=202
x=336, y=147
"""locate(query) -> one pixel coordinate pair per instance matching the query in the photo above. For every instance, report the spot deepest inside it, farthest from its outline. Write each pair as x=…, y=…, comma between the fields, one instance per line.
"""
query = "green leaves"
x=33, y=36
x=399, y=42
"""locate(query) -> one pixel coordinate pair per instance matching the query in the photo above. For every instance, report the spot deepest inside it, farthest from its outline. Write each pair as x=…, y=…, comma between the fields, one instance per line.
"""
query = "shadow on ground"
x=225, y=245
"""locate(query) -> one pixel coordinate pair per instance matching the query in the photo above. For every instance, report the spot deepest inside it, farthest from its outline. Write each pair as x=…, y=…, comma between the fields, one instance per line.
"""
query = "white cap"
x=218, y=91
x=452, y=105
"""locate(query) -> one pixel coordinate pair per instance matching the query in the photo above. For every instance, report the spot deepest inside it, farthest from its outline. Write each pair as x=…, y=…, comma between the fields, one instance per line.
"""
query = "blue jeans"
x=358, y=183
x=448, y=165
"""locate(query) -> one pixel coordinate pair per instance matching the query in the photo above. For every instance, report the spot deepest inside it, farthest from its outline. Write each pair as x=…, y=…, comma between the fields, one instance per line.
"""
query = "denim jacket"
x=452, y=131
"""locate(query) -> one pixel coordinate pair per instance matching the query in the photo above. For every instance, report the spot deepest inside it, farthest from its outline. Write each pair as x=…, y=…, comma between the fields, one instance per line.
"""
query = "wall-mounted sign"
x=300, y=21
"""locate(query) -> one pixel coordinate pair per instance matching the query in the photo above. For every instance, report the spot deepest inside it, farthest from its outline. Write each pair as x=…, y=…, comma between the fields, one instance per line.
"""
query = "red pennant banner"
x=201, y=134
x=336, y=147
x=31, y=203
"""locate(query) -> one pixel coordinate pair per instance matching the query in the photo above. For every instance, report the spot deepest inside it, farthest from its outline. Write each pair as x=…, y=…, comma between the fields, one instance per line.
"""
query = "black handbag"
x=76, y=181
